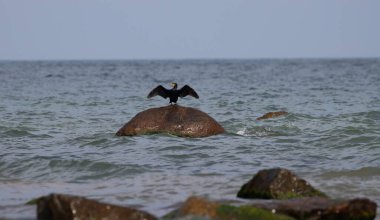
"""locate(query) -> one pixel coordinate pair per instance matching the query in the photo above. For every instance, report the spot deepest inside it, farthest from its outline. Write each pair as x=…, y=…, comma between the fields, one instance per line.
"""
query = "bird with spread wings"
x=173, y=93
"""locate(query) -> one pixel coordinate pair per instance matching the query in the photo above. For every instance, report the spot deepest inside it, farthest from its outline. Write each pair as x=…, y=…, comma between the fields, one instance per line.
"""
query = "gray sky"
x=165, y=29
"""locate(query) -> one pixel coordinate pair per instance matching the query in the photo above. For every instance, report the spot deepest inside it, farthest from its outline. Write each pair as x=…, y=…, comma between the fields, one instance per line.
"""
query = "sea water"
x=58, y=121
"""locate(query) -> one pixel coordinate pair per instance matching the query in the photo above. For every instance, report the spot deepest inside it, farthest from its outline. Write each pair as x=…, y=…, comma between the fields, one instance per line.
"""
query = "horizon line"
x=192, y=58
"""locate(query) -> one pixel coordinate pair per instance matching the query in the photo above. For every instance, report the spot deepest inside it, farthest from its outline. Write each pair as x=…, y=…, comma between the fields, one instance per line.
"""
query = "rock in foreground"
x=277, y=183
x=315, y=208
x=172, y=119
x=65, y=207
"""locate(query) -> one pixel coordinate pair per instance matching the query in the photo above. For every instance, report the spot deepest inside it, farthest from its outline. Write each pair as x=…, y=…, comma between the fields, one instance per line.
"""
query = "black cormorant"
x=173, y=93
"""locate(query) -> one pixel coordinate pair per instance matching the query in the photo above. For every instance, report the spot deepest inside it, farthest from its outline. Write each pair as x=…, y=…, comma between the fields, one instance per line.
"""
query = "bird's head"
x=174, y=85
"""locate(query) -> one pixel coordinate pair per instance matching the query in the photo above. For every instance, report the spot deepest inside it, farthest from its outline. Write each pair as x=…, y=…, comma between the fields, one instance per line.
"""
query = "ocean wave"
x=285, y=129
x=71, y=170
x=364, y=172
x=16, y=133
x=21, y=132
x=254, y=133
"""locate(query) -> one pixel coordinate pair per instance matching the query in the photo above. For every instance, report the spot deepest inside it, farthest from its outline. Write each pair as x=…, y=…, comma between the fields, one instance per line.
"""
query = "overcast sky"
x=166, y=29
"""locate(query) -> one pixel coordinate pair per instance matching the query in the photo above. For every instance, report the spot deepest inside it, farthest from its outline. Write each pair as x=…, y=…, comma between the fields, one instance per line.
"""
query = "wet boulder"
x=272, y=115
x=66, y=207
x=173, y=119
x=277, y=183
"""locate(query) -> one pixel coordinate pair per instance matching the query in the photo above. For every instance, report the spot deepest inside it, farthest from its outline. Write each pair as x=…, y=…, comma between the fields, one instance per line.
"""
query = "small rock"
x=66, y=207
x=272, y=115
x=173, y=119
x=195, y=206
x=277, y=184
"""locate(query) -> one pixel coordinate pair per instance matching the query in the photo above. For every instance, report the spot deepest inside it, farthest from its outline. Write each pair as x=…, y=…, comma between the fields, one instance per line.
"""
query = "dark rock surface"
x=173, y=119
x=277, y=183
x=272, y=115
x=66, y=207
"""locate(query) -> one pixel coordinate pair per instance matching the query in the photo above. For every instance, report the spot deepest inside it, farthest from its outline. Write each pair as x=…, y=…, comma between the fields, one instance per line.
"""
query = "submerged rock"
x=173, y=119
x=66, y=207
x=277, y=184
x=272, y=115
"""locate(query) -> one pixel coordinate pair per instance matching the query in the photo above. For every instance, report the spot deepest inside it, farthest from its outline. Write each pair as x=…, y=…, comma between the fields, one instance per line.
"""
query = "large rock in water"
x=67, y=207
x=173, y=119
x=277, y=183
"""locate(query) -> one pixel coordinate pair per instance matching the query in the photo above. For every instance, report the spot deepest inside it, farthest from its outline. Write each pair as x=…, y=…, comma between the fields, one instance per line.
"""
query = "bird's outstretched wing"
x=187, y=90
x=159, y=90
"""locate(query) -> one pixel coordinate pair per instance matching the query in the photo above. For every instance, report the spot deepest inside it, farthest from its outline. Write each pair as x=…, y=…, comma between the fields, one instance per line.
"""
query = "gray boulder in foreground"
x=66, y=207
x=277, y=183
x=173, y=119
